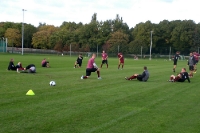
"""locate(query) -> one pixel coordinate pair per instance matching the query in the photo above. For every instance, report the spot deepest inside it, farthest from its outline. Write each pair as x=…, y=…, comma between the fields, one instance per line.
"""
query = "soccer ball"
x=52, y=83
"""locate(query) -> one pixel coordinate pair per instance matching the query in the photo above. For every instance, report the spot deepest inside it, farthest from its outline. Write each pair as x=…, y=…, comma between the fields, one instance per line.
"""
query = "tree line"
x=109, y=35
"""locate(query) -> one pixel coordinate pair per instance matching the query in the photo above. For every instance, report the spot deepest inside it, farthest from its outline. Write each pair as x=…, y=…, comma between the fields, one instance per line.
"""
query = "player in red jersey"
x=104, y=56
x=19, y=67
x=196, y=56
x=91, y=67
x=121, y=60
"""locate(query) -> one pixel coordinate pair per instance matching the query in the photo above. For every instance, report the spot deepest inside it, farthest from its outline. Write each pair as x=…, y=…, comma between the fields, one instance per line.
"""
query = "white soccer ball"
x=52, y=83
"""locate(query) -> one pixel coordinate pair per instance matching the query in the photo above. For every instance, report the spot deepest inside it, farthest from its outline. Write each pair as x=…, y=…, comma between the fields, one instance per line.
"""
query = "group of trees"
x=182, y=35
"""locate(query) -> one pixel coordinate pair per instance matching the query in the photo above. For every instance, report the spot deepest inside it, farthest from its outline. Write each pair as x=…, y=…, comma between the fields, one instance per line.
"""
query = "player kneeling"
x=91, y=67
x=181, y=77
x=79, y=61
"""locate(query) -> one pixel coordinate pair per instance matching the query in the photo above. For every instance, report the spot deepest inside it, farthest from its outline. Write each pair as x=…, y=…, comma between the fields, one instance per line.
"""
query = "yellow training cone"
x=30, y=93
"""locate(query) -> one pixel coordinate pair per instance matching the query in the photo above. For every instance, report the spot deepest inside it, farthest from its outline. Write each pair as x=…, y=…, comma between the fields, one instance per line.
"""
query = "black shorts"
x=104, y=61
x=13, y=68
x=44, y=64
x=175, y=62
x=79, y=63
x=191, y=68
x=139, y=77
x=89, y=70
x=181, y=80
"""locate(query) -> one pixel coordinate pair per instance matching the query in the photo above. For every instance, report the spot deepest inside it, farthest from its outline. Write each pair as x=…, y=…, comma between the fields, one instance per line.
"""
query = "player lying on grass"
x=181, y=77
x=91, y=67
x=141, y=77
x=29, y=69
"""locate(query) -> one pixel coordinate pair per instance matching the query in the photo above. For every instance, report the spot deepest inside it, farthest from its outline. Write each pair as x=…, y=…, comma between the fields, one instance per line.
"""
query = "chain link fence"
x=157, y=52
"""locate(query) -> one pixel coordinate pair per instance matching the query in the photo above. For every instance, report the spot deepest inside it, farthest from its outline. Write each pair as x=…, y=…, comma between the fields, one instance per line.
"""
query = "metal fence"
x=3, y=45
x=166, y=53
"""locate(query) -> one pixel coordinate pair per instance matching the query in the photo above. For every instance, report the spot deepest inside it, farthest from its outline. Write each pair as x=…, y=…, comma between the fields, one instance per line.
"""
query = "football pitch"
x=110, y=105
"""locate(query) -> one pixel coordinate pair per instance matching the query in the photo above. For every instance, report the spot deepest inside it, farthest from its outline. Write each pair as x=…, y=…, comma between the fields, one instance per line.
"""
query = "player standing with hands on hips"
x=104, y=59
x=91, y=67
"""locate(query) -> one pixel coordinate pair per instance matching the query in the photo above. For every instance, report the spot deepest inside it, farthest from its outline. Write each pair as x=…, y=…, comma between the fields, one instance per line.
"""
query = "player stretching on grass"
x=181, y=77
x=104, y=59
x=91, y=67
x=29, y=69
x=176, y=56
x=121, y=60
x=141, y=77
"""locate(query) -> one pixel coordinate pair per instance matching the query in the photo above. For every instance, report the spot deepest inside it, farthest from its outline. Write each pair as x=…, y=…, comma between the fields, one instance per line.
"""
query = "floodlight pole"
x=98, y=28
x=150, y=45
x=118, y=48
x=23, y=32
x=169, y=52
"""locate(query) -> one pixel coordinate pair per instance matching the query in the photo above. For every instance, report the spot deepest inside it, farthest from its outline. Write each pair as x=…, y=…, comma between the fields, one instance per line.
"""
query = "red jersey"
x=43, y=61
x=104, y=56
x=196, y=56
x=90, y=63
x=121, y=57
x=19, y=66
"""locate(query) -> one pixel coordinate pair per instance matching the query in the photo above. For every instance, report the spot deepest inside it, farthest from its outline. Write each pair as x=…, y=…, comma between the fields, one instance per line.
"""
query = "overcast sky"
x=54, y=12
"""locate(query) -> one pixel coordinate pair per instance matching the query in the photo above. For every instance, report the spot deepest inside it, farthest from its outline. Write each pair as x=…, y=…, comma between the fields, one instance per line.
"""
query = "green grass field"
x=110, y=105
